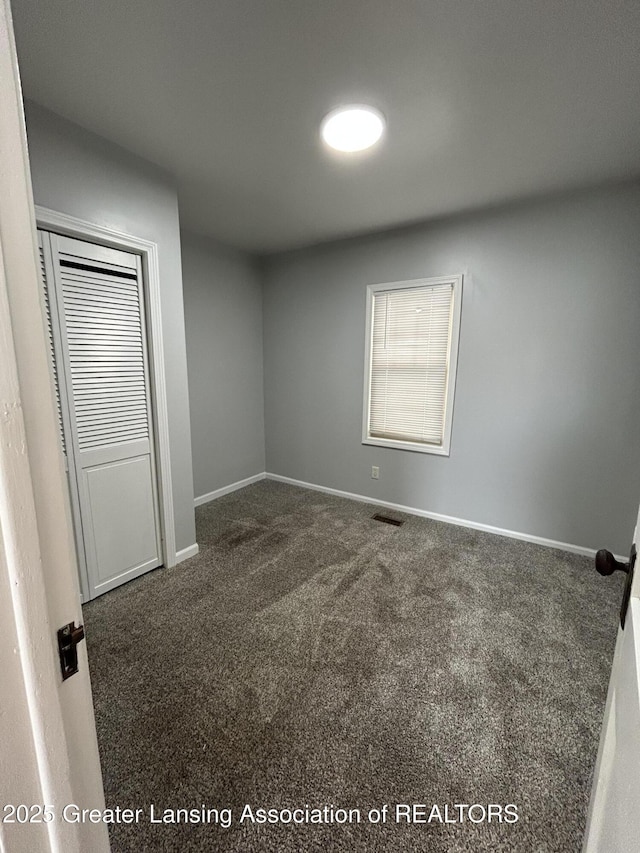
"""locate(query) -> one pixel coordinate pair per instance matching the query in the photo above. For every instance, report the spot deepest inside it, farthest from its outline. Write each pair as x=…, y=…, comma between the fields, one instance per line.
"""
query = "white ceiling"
x=486, y=100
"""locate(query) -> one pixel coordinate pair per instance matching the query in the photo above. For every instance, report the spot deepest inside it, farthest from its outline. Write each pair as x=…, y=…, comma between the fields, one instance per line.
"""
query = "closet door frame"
x=70, y=226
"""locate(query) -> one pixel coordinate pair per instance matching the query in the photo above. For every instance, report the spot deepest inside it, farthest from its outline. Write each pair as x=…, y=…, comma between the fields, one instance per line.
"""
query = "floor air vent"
x=387, y=520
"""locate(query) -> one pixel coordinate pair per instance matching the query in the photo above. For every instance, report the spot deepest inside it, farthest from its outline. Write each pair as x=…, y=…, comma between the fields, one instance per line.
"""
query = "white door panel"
x=123, y=525
x=48, y=746
x=613, y=824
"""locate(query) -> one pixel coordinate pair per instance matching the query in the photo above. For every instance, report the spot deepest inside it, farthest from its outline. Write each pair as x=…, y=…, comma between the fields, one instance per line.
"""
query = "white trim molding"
x=455, y=282
x=225, y=490
x=187, y=553
x=448, y=519
x=70, y=226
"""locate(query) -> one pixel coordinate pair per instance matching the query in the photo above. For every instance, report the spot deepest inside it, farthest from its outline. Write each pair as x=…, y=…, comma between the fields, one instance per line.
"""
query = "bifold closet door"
x=102, y=368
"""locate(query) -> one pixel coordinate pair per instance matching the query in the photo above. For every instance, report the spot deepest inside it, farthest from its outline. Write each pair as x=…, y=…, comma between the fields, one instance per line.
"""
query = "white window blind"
x=412, y=329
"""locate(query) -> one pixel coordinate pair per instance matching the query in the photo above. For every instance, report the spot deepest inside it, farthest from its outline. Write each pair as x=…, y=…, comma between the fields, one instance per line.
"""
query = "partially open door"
x=48, y=746
x=613, y=823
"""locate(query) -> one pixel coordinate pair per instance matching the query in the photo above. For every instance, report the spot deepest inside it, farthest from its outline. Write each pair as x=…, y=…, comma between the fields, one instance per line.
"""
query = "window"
x=410, y=366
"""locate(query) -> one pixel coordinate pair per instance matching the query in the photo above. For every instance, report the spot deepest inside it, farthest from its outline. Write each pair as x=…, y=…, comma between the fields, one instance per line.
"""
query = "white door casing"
x=71, y=226
x=96, y=304
x=613, y=822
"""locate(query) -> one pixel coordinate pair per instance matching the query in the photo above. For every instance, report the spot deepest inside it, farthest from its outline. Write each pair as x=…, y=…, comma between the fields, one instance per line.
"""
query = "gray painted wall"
x=83, y=175
x=223, y=315
x=547, y=408
x=548, y=394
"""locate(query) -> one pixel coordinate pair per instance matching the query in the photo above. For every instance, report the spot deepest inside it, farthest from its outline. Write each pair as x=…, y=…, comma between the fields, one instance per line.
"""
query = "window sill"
x=407, y=445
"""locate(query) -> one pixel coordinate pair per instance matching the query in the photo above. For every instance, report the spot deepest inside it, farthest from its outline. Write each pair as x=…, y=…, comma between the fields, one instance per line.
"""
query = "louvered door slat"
x=97, y=350
x=122, y=382
x=102, y=433
x=100, y=320
x=86, y=337
x=96, y=397
x=115, y=390
x=93, y=281
x=91, y=301
x=97, y=419
x=96, y=406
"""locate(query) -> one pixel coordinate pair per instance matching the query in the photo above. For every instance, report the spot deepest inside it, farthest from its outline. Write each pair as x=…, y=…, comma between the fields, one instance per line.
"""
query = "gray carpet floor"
x=312, y=656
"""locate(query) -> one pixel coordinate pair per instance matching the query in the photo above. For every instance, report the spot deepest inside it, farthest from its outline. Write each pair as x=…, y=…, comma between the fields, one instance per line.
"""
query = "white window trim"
x=444, y=448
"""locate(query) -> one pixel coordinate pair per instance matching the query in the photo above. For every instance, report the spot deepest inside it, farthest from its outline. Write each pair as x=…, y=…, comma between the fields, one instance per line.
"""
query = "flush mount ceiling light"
x=352, y=128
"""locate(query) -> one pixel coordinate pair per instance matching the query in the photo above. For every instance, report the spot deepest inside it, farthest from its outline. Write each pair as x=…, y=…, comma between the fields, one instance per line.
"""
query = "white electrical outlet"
x=375, y=472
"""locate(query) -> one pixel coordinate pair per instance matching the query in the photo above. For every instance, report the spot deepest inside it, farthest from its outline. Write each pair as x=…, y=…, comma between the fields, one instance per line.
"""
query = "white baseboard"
x=185, y=553
x=225, y=490
x=449, y=519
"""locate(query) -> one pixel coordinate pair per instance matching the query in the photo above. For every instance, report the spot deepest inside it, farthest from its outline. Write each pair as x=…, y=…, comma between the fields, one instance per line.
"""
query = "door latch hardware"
x=68, y=639
x=606, y=564
x=627, y=587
